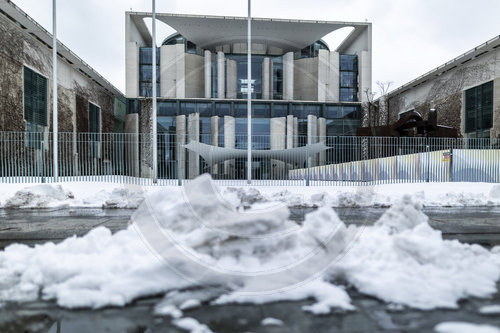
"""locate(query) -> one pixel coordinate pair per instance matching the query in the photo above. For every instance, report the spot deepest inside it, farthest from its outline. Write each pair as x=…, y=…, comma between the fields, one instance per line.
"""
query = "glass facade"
x=479, y=110
x=146, y=71
x=348, y=78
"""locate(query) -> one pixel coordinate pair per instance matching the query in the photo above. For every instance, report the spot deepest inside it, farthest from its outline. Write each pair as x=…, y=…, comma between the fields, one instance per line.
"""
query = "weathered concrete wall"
x=195, y=76
x=445, y=92
x=75, y=90
x=306, y=79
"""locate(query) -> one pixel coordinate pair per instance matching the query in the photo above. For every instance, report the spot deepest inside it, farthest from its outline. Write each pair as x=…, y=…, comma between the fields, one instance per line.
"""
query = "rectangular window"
x=348, y=78
x=479, y=108
x=95, y=122
x=35, y=101
x=146, y=71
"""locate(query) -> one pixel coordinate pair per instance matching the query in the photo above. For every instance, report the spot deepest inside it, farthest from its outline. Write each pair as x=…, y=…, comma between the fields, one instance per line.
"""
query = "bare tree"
x=383, y=109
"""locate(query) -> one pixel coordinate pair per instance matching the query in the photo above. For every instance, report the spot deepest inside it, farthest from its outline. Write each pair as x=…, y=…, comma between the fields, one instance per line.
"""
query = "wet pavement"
x=476, y=225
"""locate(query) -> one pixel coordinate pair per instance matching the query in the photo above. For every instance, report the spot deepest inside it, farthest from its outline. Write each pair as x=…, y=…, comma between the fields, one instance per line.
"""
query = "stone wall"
x=445, y=91
x=75, y=90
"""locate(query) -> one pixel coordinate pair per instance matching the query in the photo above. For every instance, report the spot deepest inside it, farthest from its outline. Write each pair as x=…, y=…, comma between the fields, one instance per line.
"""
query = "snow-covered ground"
x=196, y=237
x=112, y=195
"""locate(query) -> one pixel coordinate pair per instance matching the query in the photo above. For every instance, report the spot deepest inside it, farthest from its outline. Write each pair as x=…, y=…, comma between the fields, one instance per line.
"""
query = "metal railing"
x=277, y=159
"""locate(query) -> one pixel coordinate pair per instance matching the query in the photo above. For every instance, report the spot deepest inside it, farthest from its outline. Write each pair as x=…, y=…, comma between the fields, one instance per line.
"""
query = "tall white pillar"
x=365, y=75
x=220, y=75
x=295, y=132
x=265, y=78
x=333, y=89
x=231, y=78
x=322, y=138
x=278, y=141
x=214, y=140
x=229, y=142
x=289, y=132
x=288, y=76
x=194, y=135
x=208, y=74
x=180, y=134
x=131, y=69
x=312, y=135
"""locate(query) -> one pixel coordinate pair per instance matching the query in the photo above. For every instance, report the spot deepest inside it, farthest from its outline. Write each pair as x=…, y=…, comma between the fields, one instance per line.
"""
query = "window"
x=94, y=122
x=479, y=109
x=35, y=101
x=146, y=71
x=348, y=78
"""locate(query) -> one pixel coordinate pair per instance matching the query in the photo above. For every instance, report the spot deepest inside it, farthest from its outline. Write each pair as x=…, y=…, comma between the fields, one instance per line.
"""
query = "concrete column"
x=131, y=69
x=278, y=141
x=180, y=134
x=365, y=75
x=265, y=78
x=295, y=132
x=214, y=134
x=332, y=90
x=322, y=138
x=132, y=143
x=220, y=75
x=323, y=68
x=172, y=71
x=312, y=135
x=208, y=74
x=229, y=142
x=289, y=132
x=288, y=76
x=194, y=135
x=231, y=77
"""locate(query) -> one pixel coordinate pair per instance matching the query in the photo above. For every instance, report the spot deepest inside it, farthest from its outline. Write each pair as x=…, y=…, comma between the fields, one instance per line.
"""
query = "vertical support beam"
x=295, y=132
x=265, y=78
x=289, y=132
x=312, y=136
x=131, y=69
x=208, y=74
x=194, y=134
x=220, y=75
x=288, y=76
x=231, y=78
x=365, y=75
x=54, y=91
x=229, y=142
x=249, y=94
x=322, y=138
x=154, y=145
x=333, y=89
x=180, y=133
x=214, y=140
x=278, y=142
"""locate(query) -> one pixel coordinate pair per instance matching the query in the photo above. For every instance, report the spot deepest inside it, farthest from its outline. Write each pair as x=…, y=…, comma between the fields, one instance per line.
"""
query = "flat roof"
x=455, y=62
x=30, y=26
x=210, y=31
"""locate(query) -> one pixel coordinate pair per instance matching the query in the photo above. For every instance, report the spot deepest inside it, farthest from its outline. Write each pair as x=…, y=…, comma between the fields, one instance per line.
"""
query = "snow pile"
x=191, y=325
x=257, y=255
x=403, y=260
x=462, y=327
x=270, y=321
x=40, y=196
x=490, y=309
x=89, y=195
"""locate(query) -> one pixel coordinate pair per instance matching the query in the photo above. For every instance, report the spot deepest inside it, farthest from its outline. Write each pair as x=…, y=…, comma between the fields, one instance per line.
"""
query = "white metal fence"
x=278, y=160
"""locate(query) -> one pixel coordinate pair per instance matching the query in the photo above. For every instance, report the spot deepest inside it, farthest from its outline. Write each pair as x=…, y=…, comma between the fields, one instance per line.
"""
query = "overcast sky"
x=410, y=37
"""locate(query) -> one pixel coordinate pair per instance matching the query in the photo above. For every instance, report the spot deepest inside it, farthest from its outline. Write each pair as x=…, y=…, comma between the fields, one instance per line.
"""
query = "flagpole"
x=154, y=115
x=54, y=91
x=249, y=96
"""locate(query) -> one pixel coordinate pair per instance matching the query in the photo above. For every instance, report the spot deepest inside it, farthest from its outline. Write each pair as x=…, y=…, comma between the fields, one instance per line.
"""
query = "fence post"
x=179, y=152
x=42, y=158
x=450, y=172
x=307, y=164
x=428, y=163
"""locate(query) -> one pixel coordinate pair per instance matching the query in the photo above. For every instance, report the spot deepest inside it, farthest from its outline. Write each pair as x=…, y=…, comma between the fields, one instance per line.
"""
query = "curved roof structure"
x=212, y=154
x=210, y=31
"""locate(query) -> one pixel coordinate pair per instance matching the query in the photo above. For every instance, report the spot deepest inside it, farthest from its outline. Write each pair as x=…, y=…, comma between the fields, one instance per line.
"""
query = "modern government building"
x=302, y=90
